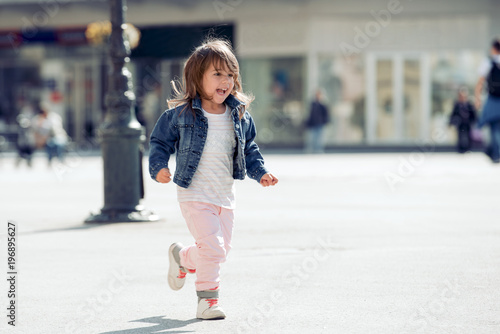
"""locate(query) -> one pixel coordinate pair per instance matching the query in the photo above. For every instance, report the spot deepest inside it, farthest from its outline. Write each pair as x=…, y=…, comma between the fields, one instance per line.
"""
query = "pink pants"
x=212, y=228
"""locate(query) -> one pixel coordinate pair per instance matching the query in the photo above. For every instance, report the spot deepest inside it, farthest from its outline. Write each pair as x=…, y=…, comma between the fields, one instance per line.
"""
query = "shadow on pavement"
x=161, y=325
x=85, y=226
x=71, y=228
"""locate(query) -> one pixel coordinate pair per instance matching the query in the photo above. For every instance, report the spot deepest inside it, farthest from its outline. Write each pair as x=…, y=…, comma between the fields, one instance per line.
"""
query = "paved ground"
x=346, y=243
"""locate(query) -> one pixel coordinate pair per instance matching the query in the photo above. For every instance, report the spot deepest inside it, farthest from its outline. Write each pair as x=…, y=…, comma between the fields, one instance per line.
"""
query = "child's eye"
x=231, y=75
x=217, y=74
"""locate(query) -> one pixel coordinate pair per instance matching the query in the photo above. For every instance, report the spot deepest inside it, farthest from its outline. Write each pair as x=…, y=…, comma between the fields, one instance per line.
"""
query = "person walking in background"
x=463, y=117
x=213, y=134
x=315, y=123
x=49, y=133
x=25, y=143
x=489, y=72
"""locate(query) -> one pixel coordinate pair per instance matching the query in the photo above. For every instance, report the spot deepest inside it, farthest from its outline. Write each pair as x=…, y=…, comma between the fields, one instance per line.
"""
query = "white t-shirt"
x=213, y=180
x=485, y=67
x=50, y=127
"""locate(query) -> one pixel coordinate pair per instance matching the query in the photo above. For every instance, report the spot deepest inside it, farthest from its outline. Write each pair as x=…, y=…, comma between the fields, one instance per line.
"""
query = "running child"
x=212, y=133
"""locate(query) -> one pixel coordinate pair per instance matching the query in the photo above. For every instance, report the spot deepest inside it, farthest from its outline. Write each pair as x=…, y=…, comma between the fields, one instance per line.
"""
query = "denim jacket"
x=179, y=130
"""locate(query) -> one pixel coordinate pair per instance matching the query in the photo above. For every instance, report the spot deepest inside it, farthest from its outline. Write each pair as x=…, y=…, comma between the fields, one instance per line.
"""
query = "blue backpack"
x=494, y=79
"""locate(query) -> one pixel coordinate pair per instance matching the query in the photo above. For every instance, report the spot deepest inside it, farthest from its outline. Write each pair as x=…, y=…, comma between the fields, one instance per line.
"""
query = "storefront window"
x=278, y=109
x=342, y=80
x=19, y=85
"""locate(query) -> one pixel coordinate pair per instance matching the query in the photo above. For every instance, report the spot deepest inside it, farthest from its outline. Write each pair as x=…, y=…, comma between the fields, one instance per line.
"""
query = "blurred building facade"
x=390, y=69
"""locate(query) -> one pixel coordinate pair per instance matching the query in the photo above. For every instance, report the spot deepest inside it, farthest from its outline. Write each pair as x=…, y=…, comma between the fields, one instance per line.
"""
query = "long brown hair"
x=213, y=51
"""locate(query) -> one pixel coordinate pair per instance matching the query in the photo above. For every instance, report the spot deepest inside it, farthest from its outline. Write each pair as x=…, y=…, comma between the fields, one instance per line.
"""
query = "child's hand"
x=163, y=176
x=268, y=180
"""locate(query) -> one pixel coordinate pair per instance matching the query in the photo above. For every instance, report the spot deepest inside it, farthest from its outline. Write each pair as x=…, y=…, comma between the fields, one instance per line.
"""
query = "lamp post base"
x=137, y=216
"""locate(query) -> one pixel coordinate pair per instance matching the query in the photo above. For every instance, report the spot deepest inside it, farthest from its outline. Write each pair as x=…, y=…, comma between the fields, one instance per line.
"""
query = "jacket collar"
x=231, y=101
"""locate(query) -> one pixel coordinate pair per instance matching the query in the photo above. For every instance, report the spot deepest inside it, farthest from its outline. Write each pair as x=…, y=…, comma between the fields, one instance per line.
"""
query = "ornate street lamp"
x=121, y=135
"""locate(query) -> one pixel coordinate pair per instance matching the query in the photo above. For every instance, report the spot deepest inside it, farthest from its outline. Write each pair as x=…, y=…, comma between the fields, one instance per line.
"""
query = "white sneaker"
x=176, y=273
x=208, y=308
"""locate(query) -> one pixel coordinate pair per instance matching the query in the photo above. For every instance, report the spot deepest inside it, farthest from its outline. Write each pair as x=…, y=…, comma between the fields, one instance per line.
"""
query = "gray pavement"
x=346, y=243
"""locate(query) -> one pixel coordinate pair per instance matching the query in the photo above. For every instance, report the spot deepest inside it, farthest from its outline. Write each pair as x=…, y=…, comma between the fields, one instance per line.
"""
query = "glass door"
x=384, y=90
x=412, y=104
x=397, y=98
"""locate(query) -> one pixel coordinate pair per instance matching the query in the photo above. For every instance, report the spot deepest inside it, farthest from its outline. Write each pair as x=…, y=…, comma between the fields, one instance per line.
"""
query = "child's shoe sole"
x=176, y=277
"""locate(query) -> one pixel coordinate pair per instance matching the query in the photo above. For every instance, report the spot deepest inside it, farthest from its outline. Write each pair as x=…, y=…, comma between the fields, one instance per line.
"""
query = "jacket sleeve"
x=162, y=143
x=254, y=160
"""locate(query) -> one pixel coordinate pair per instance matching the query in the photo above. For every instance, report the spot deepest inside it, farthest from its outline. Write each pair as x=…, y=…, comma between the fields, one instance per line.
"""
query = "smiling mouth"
x=221, y=91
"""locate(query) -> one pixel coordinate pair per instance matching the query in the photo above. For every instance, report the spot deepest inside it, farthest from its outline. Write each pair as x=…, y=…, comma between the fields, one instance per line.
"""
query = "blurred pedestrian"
x=463, y=118
x=315, y=123
x=49, y=133
x=213, y=133
x=25, y=143
x=489, y=72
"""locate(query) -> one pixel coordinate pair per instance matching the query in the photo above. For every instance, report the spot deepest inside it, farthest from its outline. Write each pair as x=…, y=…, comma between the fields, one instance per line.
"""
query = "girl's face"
x=218, y=84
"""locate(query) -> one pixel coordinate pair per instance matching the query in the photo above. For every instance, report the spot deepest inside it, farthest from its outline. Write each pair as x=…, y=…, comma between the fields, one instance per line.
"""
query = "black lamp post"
x=121, y=136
